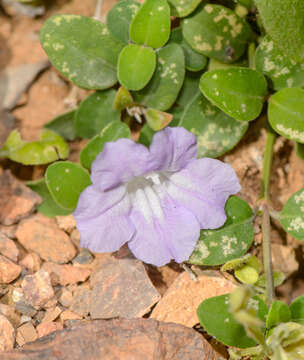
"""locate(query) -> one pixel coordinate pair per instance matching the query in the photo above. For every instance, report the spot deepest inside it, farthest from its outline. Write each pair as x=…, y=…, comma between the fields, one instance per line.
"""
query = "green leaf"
x=282, y=71
x=216, y=132
x=65, y=181
x=194, y=60
x=278, y=279
x=283, y=20
x=64, y=125
x=190, y=89
x=82, y=49
x=48, y=207
x=217, y=32
x=136, y=65
x=248, y=273
x=232, y=240
x=297, y=310
x=49, y=148
x=119, y=19
x=151, y=24
x=95, y=112
x=286, y=113
x=156, y=119
x=292, y=215
x=112, y=132
x=239, y=92
x=146, y=135
x=215, y=64
x=123, y=99
x=279, y=312
x=167, y=80
x=184, y=7
x=214, y=316
x=300, y=150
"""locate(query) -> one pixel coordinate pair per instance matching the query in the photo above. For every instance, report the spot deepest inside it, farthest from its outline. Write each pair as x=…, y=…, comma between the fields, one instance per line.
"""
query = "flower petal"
x=102, y=219
x=160, y=240
x=203, y=188
x=173, y=148
x=119, y=162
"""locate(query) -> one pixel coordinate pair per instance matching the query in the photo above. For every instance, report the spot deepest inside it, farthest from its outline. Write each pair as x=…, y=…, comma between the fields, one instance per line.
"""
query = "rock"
x=122, y=339
x=21, y=304
x=81, y=300
x=69, y=315
x=182, y=299
x=66, y=223
x=83, y=258
x=65, y=297
x=37, y=289
x=9, y=271
x=10, y=313
x=31, y=262
x=52, y=314
x=8, y=248
x=66, y=274
x=284, y=259
x=26, y=333
x=7, y=335
x=121, y=287
x=8, y=231
x=41, y=235
x=46, y=328
x=16, y=200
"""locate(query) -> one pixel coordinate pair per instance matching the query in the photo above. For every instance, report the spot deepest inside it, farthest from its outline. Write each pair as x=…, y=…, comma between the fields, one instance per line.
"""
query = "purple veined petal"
x=119, y=162
x=203, y=187
x=173, y=148
x=102, y=219
x=158, y=239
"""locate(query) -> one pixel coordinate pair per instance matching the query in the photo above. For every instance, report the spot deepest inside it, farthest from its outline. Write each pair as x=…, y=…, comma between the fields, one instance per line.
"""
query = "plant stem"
x=97, y=14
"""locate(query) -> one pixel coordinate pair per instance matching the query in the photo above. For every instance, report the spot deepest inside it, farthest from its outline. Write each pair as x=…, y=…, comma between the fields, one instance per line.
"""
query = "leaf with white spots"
x=151, y=24
x=292, y=215
x=286, y=113
x=50, y=147
x=184, y=7
x=113, y=131
x=119, y=19
x=239, y=92
x=217, y=320
x=217, y=32
x=95, y=112
x=82, y=49
x=231, y=241
x=282, y=71
x=216, y=132
x=65, y=181
x=136, y=65
x=64, y=125
x=163, y=89
x=194, y=61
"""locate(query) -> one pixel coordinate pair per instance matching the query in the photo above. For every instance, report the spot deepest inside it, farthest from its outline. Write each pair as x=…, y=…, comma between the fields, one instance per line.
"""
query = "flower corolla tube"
x=155, y=199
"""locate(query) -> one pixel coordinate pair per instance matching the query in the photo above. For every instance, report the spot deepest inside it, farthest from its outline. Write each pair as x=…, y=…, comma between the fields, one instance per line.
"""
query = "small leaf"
x=279, y=312
x=300, y=150
x=235, y=263
x=119, y=19
x=146, y=135
x=184, y=7
x=48, y=207
x=136, y=65
x=65, y=181
x=49, y=148
x=232, y=240
x=239, y=92
x=194, y=60
x=112, y=132
x=278, y=279
x=156, y=119
x=247, y=274
x=82, y=49
x=64, y=125
x=151, y=24
x=215, y=317
x=286, y=113
x=272, y=62
x=190, y=89
x=123, y=99
x=297, y=310
x=292, y=215
x=95, y=112
x=215, y=64
x=163, y=89
x=217, y=32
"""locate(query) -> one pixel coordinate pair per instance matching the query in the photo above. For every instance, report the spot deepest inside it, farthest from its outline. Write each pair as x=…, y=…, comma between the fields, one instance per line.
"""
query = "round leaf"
x=82, y=49
x=65, y=181
x=119, y=19
x=247, y=274
x=292, y=215
x=184, y=7
x=64, y=125
x=163, y=89
x=214, y=316
x=151, y=24
x=286, y=113
x=217, y=32
x=136, y=65
x=95, y=112
x=282, y=71
x=232, y=240
x=279, y=312
x=297, y=310
x=239, y=92
x=112, y=132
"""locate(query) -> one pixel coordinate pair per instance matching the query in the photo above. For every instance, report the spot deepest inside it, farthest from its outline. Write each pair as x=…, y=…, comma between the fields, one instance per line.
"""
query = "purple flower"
x=155, y=199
